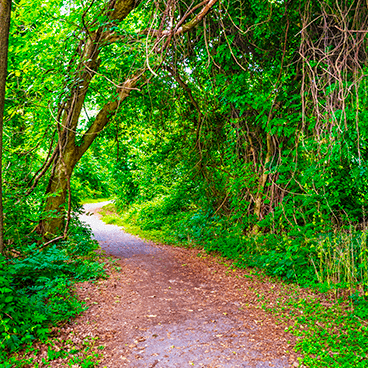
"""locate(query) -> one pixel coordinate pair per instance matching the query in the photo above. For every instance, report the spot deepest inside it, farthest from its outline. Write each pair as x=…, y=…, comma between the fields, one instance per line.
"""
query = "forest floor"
x=164, y=306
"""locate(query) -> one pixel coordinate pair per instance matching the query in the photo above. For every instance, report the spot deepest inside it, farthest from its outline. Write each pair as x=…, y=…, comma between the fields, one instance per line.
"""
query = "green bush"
x=36, y=288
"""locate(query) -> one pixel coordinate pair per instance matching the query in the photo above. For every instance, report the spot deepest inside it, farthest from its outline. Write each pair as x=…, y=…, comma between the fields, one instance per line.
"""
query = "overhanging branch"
x=104, y=115
x=181, y=28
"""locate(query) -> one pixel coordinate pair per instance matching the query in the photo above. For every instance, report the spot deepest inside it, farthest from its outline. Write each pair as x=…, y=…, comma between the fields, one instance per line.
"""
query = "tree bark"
x=57, y=187
x=5, y=9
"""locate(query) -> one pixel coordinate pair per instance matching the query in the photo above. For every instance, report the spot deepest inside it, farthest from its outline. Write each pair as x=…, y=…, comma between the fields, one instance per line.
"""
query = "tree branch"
x=186, y=88
x=179, y=29
x=104, y=115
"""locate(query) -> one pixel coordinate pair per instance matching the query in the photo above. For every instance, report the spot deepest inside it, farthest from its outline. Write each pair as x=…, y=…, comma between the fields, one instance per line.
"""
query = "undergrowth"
x=331, y=322
x=36, y=291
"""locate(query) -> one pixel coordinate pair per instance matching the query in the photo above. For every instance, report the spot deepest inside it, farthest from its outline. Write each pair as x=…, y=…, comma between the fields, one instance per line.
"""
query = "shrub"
x=36, y=287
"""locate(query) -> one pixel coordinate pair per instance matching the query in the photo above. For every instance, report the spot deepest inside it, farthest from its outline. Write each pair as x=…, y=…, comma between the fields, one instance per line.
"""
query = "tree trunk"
x=5, y=9
x=57, y=190
x=65, y=162
x=261, y=184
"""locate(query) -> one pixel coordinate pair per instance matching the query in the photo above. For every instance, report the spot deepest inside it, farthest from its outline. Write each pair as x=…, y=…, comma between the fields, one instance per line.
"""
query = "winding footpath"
x=173, y=307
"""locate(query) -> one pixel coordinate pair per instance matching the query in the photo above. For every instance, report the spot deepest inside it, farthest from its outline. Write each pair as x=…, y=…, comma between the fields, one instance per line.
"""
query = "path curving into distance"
x=111, y=238
x=161, y=312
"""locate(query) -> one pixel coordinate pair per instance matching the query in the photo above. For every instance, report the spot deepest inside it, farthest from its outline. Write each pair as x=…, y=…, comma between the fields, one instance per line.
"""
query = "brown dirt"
x=143, y=314
x=181, y=307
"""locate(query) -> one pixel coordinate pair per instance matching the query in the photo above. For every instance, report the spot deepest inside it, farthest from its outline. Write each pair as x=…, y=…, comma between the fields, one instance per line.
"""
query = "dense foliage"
x=37, y=288
x=238, y=152
x=244, y=132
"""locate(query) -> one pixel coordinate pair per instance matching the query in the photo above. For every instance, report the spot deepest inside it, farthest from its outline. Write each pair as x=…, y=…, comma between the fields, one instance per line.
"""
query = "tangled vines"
x=334, y=54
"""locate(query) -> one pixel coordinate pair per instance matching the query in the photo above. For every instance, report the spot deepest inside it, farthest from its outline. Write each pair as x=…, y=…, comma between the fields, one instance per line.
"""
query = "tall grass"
x=342, y=260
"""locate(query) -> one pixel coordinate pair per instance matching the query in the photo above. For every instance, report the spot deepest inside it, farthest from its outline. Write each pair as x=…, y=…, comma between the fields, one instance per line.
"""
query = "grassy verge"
x=329, y=332
x=330, y=323
x=110, y=216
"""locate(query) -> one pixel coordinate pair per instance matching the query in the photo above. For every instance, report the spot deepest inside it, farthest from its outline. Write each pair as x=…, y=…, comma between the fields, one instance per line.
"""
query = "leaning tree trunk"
x=67, y=153
x=5, y=9
x=66, y=159
x=258, y=201
x=57, y=191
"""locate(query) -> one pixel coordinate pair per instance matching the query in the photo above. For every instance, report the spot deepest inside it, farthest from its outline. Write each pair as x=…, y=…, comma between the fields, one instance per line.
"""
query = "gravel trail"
x=168, y=308
x=111, y=238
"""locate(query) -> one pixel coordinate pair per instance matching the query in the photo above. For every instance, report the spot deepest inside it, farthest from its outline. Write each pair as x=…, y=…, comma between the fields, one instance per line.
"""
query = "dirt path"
x=170, y=308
